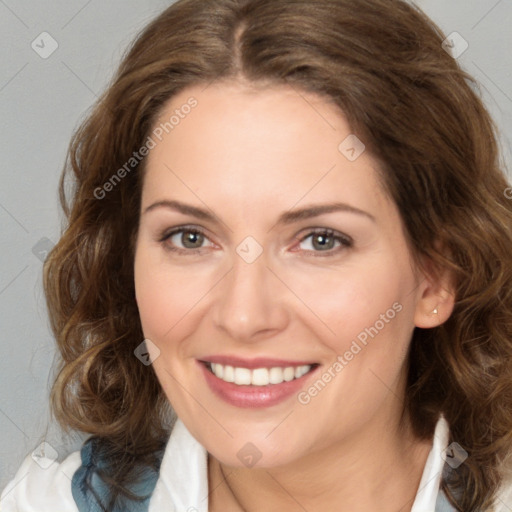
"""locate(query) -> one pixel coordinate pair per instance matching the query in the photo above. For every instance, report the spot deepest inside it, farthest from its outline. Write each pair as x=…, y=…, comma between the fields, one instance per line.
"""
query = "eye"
x=324, y=240
x=190, y=238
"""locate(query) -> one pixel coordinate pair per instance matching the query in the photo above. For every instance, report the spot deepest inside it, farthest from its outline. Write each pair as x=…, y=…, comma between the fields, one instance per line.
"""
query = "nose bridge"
x=248, y=301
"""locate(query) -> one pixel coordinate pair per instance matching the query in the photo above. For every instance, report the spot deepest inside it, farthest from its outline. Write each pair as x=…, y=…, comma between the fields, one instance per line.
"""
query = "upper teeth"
x=258, y=376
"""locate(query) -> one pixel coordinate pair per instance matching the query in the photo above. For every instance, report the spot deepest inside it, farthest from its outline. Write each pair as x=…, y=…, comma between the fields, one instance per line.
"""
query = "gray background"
x=43, y=100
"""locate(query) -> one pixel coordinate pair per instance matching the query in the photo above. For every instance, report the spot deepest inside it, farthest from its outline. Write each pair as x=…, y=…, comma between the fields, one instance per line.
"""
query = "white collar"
x=183, y=482
x=428, y=489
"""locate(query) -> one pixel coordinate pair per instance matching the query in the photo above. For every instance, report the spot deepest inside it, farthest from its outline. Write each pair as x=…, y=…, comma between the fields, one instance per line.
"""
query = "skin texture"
x=249, y=155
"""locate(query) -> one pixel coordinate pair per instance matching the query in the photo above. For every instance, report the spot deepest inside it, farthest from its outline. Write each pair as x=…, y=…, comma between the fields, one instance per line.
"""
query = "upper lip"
x=257, y=362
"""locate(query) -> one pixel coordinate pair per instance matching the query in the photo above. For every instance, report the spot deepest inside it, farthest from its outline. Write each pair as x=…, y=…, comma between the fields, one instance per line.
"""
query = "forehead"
x=250, y=147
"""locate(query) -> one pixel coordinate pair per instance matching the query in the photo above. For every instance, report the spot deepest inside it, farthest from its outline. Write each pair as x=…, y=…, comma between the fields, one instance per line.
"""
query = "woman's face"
x=263, y=287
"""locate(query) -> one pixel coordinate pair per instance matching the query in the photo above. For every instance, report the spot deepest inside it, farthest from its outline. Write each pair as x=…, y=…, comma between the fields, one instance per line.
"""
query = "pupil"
x=190, y=238
x=322, y=239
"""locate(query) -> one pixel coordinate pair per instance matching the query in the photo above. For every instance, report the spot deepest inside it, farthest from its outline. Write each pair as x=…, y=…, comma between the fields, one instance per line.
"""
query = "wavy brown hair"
x=419, y=114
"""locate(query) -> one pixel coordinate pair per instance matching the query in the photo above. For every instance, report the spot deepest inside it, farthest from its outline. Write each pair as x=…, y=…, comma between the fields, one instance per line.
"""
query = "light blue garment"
x=442, y=503
x=90, y=492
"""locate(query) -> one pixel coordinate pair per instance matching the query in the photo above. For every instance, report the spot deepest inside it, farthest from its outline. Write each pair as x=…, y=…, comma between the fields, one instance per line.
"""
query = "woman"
x=290, y=225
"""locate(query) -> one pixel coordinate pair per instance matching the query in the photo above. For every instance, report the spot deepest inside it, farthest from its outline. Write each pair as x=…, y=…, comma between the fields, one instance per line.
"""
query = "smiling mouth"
x=258, y=376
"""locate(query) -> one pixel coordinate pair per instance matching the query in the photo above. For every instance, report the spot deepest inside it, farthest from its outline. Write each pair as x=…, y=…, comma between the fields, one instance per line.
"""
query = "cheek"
x=365, y=328
x=355, y=302
x=165, y=294
x=156, y=300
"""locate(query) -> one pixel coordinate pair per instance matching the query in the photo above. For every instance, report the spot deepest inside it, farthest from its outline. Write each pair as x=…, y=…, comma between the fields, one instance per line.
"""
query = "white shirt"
x=182, y=485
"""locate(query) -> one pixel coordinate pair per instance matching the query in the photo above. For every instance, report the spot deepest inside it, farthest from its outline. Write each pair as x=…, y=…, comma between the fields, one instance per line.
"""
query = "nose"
x=250, y=304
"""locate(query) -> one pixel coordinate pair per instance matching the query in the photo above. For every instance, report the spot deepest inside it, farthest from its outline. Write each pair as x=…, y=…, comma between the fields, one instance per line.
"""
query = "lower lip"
x=253, y=396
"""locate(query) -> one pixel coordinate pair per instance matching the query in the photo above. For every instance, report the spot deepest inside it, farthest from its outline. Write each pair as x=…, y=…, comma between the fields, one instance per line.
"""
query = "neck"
x=376, y=469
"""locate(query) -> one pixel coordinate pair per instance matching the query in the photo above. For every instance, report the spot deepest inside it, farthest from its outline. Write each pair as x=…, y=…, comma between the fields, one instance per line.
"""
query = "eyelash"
x=345, y=241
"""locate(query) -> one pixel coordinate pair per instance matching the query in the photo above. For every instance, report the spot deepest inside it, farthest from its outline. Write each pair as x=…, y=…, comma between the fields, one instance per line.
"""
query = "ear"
x=436, y=297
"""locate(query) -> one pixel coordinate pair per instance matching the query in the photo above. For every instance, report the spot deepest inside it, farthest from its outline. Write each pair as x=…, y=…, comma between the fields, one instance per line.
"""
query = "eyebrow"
x=288, y=217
